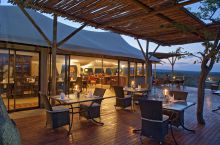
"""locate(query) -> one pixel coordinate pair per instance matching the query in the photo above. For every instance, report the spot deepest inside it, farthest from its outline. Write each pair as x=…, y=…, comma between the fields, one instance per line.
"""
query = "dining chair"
x=122, y=100
x=153, y=123
x=177, y=117
x=57, y=116
x=91, y=110
x=215, y=86
x=79, y=83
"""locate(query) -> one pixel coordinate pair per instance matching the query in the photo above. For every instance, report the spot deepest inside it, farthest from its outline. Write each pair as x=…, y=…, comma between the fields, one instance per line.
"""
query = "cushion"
x=9, y=134
x=127, y=96
x=87, y=104
x=59, y=109
x=3, y=110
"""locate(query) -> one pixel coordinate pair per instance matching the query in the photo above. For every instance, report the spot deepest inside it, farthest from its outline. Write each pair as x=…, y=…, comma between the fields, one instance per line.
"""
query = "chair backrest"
x=119, y=92
x=46, y=102
x=218, y=84
x=99, y=92
x=179, y=95
x=79, y=82
x=151, y=109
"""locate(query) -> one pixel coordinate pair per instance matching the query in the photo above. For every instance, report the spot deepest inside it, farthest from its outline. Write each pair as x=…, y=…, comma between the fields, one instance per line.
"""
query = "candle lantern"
x=166, y=95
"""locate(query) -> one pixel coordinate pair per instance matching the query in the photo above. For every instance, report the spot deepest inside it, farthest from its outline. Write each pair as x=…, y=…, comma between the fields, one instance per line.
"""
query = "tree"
x=178, y=54
x=211, y=53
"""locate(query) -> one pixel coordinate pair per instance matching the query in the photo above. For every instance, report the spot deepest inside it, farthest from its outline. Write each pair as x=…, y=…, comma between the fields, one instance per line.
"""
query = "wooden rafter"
x=154, y=51
x=149, y=9
x=148, y=14
x=33, y=23
x=142, y=50
x=71, y=35
x=138, y=19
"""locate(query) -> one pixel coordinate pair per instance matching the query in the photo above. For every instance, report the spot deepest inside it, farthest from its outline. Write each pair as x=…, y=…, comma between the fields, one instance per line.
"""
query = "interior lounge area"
x=20, y=75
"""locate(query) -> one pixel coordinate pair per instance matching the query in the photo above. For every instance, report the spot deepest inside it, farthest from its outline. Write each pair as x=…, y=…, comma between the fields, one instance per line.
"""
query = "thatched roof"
x=155, y=20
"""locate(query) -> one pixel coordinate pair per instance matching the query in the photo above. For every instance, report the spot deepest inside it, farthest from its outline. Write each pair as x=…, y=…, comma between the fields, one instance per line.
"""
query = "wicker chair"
x=91, y=110
x=122, y=100
x=176, y=117
x=215, y=86
x=153, y=123
x=57, y=116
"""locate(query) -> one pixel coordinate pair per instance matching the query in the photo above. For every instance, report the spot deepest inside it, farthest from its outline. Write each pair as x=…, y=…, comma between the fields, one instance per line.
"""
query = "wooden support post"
x=44, y=73
x=118, y=72
x=148, y=74
x=54, y=48
x=142, y=69
x=129, y=73
x=155, y=71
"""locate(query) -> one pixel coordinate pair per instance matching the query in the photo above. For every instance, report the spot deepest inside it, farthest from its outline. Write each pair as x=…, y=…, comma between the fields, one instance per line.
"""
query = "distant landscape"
x=191, y=77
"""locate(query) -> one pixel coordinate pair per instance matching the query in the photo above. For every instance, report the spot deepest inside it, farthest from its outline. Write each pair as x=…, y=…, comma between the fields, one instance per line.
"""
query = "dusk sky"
x=183, y=64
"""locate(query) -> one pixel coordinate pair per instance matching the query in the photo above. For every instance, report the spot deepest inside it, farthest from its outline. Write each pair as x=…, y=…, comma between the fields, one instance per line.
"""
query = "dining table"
x=174, y=106
x=218, y=107
x=74, y=98
x=132, y=92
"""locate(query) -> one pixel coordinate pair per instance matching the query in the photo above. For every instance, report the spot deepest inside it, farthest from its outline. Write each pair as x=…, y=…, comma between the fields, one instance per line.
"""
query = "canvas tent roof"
x=166, y=22
x=15, y=27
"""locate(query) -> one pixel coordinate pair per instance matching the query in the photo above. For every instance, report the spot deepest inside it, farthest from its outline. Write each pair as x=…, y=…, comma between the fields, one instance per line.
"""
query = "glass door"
x=26, y=79
x=6, y=78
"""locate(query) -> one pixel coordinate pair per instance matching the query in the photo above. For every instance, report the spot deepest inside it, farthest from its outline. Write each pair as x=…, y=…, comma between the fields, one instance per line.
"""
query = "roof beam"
x=151, y=54
x=33, y=22
x=147, y=8
x=148, y=14
x=71, y=34
x=142, y=50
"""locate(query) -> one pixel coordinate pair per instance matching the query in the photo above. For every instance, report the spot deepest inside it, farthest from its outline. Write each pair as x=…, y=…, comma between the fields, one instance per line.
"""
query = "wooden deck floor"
x=119, y=125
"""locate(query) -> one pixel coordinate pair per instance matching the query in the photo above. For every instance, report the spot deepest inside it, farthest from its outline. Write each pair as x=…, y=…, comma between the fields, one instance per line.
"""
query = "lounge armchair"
x=91, y=110
x=9, y=134
x=57, y=116
x=176, y=117
x=122, y=100
x=153, y=123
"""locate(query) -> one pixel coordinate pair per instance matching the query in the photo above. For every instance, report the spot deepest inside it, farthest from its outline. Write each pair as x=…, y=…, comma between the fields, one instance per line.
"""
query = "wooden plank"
x=54, y=49
x=119, y=125
x=71, y=35
x=34, y=23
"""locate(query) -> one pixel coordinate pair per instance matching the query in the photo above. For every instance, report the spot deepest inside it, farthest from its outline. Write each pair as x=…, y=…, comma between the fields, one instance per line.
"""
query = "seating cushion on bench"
x=9, y=134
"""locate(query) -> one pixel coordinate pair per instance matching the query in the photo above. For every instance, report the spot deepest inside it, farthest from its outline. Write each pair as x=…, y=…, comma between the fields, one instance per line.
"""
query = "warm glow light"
x=165, y=92
x=72, y=61
x=174, y=77
x=132, y=83
x=209, y=79
x=76, y=87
